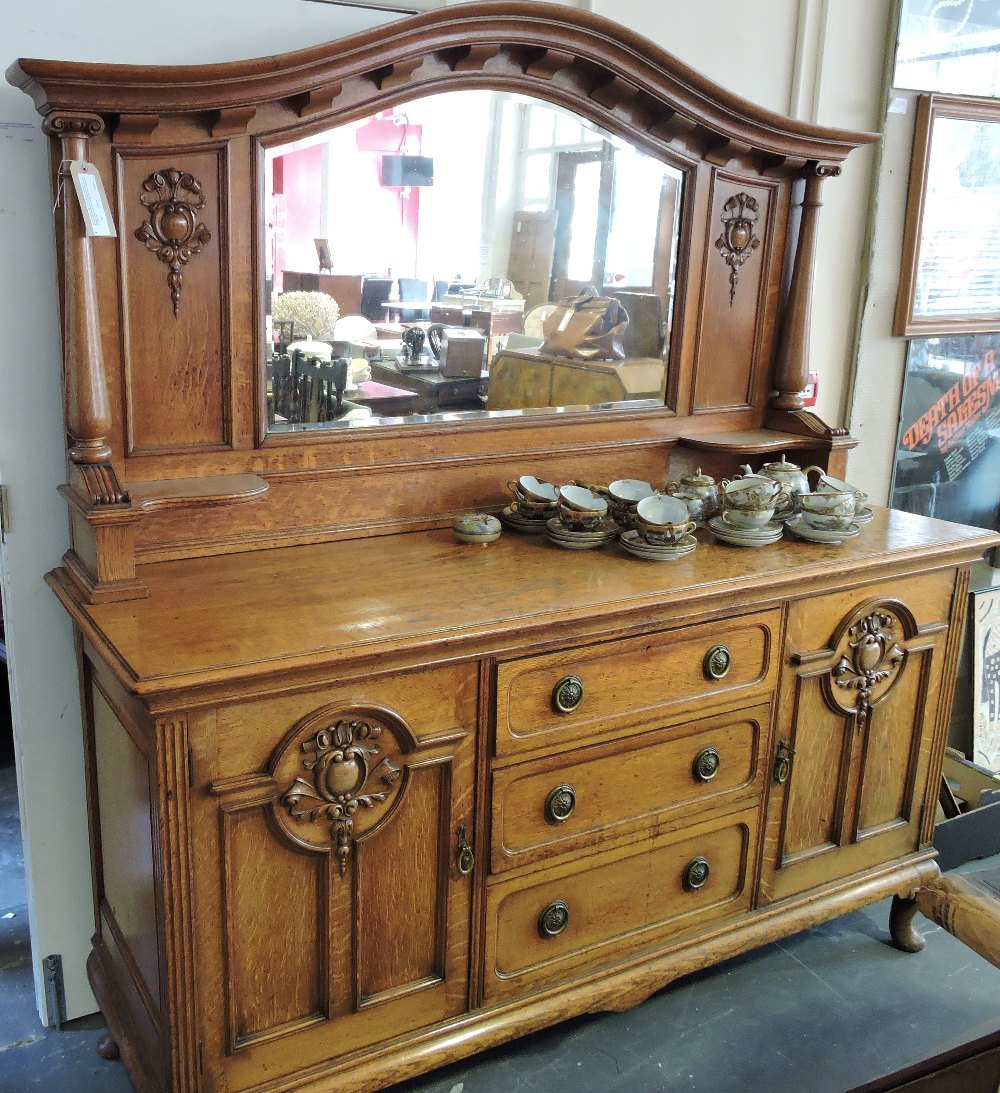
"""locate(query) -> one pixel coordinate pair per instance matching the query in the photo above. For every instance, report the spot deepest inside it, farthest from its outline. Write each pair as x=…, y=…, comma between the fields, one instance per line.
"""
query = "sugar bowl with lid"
x=790, y=476
x=700, y=492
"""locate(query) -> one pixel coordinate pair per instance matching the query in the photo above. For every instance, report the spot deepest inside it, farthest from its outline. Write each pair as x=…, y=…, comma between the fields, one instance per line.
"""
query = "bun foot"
x=107, y=1047
x=901, y=916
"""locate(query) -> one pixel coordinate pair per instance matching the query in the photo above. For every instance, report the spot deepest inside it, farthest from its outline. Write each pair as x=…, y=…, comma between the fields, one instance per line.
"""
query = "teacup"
x=531, y=489
x=828, y=510
x=660, y=519
x=629, y=491
x=579, y=520
x=828, y=484
x=583, y=500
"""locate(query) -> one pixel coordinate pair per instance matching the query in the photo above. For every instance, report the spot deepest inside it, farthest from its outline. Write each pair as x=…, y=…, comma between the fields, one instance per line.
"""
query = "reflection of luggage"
x=588, y=327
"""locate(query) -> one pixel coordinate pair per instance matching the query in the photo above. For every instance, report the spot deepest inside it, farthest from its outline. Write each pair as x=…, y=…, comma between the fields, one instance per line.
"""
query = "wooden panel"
x=176, y=366
x=890, y=761
x=396, y=952
x=127, y=881
x=615, y=905
x=628, y=681
x=732, y=325
x=275, y=929
x=819, y=778
x=623, y=787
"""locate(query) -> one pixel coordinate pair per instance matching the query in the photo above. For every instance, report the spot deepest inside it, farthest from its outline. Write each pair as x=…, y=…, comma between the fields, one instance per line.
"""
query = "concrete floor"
x=821, y=1012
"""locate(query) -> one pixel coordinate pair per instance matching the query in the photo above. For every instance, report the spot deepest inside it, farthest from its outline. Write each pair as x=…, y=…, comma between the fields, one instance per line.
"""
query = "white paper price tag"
x=93, y=201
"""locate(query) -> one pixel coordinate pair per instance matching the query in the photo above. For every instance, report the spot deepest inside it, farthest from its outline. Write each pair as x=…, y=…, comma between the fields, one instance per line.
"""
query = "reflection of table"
x=386, y=401
x=395, y=308
x=433, y=391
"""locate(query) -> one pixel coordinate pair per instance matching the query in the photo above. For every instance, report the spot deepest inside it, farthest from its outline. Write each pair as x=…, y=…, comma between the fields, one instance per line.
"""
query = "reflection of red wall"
x=301, y=176
x=381, y=136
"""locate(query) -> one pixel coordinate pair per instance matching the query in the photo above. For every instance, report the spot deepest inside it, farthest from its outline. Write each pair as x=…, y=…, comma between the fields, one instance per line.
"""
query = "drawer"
x=569, y=802
x=624, y=683
x=573, y=919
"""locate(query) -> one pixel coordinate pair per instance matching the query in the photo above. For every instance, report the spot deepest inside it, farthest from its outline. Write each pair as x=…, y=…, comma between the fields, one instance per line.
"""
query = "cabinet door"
x=341, y=916
x=864, y=702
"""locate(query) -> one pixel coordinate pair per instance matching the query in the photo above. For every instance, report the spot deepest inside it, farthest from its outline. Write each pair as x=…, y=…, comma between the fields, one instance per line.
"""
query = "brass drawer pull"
x=559, y=804
x=465, y=860
x=696, y=874
x=718, y=660
x=706, y=765
x=567, y=694
x=554, y=919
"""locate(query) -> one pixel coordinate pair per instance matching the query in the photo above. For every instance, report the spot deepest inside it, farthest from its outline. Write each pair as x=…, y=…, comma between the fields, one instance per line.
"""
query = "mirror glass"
x=466, y=254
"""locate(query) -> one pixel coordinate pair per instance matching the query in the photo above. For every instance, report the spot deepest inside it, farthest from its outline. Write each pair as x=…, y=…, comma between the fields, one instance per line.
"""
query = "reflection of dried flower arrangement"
x=313, y=313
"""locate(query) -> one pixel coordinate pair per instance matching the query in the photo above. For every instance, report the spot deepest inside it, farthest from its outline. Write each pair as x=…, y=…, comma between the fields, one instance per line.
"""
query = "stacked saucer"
x=864, y=515
x=581, y=539
x=637, y=546
x=516, y=520
x=728, y=532
x=800, y=526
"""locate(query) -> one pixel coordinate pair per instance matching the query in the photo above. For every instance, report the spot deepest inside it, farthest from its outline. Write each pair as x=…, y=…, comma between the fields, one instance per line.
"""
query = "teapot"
x=699, y=491
x=789, y=476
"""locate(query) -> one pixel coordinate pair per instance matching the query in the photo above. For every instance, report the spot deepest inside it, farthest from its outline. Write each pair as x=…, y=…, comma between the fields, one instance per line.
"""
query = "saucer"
x=798, y=526
x=606, y=529
x=654, y=552
x=864, y=516
x=752, y=537
x=517, y=522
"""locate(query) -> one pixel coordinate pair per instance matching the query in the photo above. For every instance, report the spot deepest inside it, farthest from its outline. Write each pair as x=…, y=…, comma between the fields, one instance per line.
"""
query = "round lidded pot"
x=697, y=487
x=790, y=476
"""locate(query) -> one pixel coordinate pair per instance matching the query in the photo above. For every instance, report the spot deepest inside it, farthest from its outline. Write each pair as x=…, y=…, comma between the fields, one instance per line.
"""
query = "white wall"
x=783, y=54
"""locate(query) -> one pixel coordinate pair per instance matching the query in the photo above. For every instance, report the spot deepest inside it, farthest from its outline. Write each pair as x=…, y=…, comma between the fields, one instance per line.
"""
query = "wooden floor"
x=826, y=1011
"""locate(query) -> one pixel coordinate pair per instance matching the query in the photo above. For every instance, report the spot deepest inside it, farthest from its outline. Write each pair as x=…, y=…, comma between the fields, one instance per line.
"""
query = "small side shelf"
x=744, y=441
x=223, y=489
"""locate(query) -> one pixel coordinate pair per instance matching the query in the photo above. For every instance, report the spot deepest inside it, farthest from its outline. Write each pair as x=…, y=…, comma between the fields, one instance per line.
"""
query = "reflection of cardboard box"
x=520, y=378
x=975, y=833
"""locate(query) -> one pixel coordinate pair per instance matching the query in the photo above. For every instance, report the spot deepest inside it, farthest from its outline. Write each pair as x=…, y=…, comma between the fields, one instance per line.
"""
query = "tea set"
x=752, y=509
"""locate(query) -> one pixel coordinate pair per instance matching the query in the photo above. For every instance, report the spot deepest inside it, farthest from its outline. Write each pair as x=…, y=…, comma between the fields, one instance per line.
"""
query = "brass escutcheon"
x=696, y=874
x=567, y=694
x=706, y=765
x=559, y=804
x=554, y=919
x=718, y=660
x=465, y=860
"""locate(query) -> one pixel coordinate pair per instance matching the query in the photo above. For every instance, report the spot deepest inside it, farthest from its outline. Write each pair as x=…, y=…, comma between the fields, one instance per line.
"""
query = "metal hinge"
x=55, y=991
x=4, y=513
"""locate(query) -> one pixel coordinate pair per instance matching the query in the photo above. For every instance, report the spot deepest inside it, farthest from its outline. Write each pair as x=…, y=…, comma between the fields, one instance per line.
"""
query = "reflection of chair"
x=306, y=390
x=644, y=335
x=440, y=288
x=412, y=289
x=283, y=334
x=374, y=293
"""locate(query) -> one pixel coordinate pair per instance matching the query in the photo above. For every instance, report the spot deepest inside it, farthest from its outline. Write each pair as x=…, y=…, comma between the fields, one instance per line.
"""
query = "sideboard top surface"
x=221, y=619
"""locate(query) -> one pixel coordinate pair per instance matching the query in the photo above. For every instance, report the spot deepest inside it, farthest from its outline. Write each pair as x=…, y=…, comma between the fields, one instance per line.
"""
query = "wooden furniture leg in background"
x=957, y=904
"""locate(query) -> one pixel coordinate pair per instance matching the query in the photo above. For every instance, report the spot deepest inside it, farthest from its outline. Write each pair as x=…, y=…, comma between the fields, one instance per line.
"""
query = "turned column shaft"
x=791, y=364
x=88, y=415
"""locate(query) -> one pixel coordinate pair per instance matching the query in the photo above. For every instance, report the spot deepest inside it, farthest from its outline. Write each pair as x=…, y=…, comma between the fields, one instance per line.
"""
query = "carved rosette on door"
x=338, y=777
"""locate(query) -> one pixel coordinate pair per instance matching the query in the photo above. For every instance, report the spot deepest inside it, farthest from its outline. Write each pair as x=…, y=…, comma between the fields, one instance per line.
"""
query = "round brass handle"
x=706, y=765
x=696, y=874
x=567, y=694
x=559, y=804
x=718, y=660
x=554, y=919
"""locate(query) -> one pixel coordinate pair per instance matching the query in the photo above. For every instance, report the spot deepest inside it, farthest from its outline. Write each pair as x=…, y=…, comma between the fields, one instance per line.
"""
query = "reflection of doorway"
x=584, y=191
x=532, y=248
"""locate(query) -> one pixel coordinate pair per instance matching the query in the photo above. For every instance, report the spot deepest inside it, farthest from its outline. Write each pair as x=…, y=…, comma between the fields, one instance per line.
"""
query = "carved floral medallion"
x=345, y=771
x=738, y=242
x=172, y=231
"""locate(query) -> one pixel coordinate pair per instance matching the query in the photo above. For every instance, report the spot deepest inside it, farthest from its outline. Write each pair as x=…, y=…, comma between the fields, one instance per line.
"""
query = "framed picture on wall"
x=949, y=279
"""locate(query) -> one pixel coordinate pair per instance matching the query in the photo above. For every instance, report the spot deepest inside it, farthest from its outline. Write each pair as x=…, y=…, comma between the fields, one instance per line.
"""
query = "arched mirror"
x=415, y=260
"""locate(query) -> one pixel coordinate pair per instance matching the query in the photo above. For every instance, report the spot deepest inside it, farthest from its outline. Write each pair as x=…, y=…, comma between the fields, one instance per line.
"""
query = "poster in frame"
x=986, y=678
x=948, y=452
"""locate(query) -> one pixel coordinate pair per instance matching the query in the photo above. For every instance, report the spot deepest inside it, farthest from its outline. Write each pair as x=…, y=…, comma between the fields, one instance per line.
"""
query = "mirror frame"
x=164, y=393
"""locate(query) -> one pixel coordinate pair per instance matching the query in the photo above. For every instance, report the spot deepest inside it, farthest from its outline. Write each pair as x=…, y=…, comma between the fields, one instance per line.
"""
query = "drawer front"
x=626, y=682
x=566, y=803
x=542, y=929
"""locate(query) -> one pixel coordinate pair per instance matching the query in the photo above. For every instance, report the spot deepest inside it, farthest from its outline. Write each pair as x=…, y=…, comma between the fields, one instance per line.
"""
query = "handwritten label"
x=93, y=202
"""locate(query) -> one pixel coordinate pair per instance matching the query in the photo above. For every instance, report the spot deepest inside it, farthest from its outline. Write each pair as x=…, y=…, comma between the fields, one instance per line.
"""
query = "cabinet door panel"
x=345, y=919
x=859, y=712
